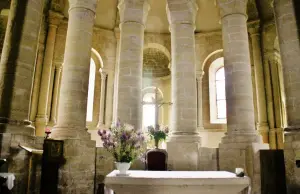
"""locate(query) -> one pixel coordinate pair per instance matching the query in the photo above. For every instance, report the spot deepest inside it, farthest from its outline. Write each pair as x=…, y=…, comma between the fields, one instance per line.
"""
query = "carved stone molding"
x=133, y=11
x=182, y=12
x=229, y=7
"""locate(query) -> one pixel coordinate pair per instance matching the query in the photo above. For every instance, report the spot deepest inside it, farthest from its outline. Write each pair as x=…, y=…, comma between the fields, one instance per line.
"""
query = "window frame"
x=214, y=67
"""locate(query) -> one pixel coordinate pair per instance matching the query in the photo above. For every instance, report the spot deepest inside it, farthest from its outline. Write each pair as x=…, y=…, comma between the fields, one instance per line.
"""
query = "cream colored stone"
x=42, y=117
x=262, y=125
x=17, y=66
x=132, y=20
x=71, y=121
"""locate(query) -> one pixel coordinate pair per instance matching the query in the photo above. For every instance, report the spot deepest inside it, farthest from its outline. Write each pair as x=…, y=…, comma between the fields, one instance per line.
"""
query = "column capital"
x=199, y=75
x=86, y=4
x=254, y=27
x=103, y=74
x=229, y=7
x=133, y=11
x=182, y=11
x=55, y=18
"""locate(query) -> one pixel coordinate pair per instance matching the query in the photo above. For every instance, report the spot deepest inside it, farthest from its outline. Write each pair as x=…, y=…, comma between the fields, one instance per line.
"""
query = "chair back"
x=156, y=160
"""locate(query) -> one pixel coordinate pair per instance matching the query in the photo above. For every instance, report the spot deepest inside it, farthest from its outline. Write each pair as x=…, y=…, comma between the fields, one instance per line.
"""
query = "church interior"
x=222, y=75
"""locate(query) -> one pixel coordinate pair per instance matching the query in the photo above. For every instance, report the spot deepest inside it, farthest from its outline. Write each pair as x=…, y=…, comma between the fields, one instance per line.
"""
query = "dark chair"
x=156, y=160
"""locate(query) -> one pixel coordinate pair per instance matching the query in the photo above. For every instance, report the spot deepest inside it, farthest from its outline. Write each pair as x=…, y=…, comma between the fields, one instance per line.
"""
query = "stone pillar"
x=116, y=73
x=17, y=65
x=37, y=77
x=184, y=140
x=79, y=150
x=102, y=99
x=199, y=100
x=239, y=95
x=133, y=16
x=116, y=78
x=54, y=106
x=289, y=42
x=72, y=107
x=262, y=123
x=240, y=147
x=268, y=55
x=109, y=97
x=42, y=117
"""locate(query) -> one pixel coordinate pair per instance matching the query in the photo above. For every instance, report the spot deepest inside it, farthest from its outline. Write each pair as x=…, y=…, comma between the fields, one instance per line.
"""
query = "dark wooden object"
x=156, y=160
x=51, y=161
x=272, y=172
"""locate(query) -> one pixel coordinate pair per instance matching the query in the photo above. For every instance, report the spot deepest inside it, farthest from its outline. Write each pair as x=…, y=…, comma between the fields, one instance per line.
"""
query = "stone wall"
x=21, y=163
x=206, y=44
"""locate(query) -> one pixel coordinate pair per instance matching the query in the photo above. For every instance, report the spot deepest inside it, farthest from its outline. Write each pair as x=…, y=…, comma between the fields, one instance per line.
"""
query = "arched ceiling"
x=156, y=63
x=207, y=18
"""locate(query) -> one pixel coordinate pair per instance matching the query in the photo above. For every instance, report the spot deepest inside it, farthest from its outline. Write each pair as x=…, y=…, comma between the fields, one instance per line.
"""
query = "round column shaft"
x=289, y=42
x=262, y=122
x=239, y=94
x=42, y=117
x=57, y=81
x=72, y=107
x=102, y=99
x=129, y=95
x=183, y=72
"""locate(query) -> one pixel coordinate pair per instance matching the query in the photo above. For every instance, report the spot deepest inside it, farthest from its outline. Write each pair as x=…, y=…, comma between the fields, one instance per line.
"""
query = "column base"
x=183, y=151
x=16, y=127
x=292, y=155
x=40, y=125
x=263, y=130
x=61, y=133
x=77, y=175
x=242, y=151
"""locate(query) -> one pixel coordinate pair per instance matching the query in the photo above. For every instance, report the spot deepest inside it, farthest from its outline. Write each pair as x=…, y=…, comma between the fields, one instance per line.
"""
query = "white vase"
x=122, y=167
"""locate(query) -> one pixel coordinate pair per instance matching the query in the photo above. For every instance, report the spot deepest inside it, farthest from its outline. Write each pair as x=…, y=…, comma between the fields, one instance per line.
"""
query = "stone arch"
x=156, y=61
x=159, y=47
x=151, y=89
x=97, y=59
x=212, y=57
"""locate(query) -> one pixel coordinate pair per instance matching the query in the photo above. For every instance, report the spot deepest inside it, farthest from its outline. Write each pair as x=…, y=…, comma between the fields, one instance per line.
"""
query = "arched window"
x=90, y=100
x=217, y=94
x=148, y=110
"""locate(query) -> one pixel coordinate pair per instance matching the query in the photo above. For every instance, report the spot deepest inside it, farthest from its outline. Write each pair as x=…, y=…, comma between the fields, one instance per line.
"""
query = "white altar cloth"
x=10, y=179
x=176, y=182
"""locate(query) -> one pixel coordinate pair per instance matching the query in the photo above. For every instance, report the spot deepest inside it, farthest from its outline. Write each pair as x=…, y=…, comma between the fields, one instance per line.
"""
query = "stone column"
x=54, y=106
x=289, y=42
x=102, y=99
x=241, y=145
x=116, y=78
x=199, y=100
x=133, y=16
x=109, y=97
x=184, y=140
x=239, y=95
x=268, y=55
x=17, y=65
x=72, y=107
x=262, y=123
x=42, y=117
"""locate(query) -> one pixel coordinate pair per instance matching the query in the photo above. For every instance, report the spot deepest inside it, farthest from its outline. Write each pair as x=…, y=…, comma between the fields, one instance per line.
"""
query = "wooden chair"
x=157, y=160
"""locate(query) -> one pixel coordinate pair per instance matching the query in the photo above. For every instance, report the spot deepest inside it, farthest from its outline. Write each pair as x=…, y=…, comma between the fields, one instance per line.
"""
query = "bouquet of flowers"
x=158, y=133
x=123, y=141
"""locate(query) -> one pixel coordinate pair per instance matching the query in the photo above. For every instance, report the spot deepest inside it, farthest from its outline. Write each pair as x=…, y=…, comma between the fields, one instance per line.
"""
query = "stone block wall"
x=21, y=163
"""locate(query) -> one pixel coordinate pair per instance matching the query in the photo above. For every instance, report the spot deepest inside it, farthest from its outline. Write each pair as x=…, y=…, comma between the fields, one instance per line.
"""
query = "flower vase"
x=123, y=167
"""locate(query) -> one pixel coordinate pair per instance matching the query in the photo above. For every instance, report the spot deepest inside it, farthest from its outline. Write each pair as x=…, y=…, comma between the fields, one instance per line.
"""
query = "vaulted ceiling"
x=208, y=18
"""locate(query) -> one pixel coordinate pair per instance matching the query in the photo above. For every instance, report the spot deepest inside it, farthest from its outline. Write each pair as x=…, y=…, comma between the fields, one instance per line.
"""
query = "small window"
x=217, y=93
x=148, y=110
x=91, y=92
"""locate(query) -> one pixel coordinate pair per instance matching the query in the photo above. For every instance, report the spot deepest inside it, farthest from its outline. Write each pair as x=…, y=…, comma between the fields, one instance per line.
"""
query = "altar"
x=176, y=182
